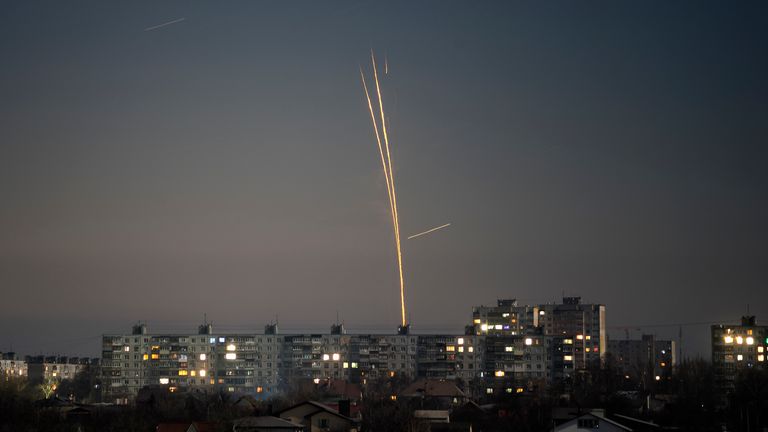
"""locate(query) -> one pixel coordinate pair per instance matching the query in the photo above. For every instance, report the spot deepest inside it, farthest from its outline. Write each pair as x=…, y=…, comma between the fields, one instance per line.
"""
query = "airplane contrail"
x=429, y=231
x=164, y=24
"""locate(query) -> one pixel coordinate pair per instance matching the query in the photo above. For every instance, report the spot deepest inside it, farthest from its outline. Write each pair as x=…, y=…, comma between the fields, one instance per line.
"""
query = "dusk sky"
x=225, y=164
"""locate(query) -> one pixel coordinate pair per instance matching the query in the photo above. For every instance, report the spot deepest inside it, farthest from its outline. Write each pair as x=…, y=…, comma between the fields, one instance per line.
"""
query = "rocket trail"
x=394, y=194
x=381, y=151
x=388, y=173
x=429, y=231
x=164, y=24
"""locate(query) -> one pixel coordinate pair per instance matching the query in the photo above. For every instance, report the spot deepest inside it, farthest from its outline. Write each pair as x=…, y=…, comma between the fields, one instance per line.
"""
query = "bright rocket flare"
x=429, y=231
x=388, y=174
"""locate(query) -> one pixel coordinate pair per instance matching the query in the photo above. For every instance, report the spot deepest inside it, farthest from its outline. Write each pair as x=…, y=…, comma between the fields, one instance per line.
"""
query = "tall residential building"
x=584, y=322
x=735, y=349
x=645, y=359
x=519, y=363
x=572, y=319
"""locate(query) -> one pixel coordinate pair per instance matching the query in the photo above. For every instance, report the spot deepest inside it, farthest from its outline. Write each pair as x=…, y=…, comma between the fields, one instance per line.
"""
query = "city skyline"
x=161, y=162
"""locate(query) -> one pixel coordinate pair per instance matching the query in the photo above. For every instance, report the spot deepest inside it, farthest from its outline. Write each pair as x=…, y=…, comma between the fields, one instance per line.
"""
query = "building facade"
x=736, y=349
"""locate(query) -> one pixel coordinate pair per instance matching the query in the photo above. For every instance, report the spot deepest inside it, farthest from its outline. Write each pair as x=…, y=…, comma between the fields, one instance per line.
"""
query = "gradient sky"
x=226, y=164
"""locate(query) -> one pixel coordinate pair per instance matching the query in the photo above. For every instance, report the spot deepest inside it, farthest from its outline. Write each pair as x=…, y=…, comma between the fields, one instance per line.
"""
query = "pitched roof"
x=269, y=422
x=433, y=388
x=185, y=427
x=318, y=408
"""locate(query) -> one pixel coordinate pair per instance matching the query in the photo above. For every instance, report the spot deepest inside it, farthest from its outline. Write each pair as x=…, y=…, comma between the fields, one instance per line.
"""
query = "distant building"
x=735, y=349
x=12, y=366
x=582, y=323
x=645, y=359
x=42, y=368
x=521, y=363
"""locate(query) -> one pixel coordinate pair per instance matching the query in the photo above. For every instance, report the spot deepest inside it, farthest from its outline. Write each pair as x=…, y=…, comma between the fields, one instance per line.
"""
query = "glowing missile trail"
x=429, y=231
x=388, y=173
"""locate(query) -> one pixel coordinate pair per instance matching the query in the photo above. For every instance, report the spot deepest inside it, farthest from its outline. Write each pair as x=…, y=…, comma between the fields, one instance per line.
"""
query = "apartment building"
x=645, y=359
x=737, y=348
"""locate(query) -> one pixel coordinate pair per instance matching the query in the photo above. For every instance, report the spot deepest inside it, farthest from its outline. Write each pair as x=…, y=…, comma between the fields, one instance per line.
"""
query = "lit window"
x=587, y=349
x=183, y=372
x=336, y=357
x=761, y=357
x=461, y=341
x=528, y=341
x=202, y=372
x=326, y=357
x=450, y=348
x=579, y=337
x=202, y=357
x=568, y=341
x=505, y=315
x=259, y=389
x=729, y=339
x=587, y=337
x=212, y=340
x=316, y=380
x=509, y=389
x=193, y=373
x=461, y=349
x=127, y=348
x=658, y=378
x=155, y=356
x=509, y=349
x=739, y=357
x=145, y=357
x=760, y=349
x=484, y=327
x=477, y=321
x=471, y=349
x=354, y=365
x=345, y=365
x=499, y=373
x=739, y=340
x=498, y=327
x=231, y=347
x=489, y=390
x=231, y=356
x=663, y=364
x=520, y=389
x=750, y=340
x=568, y=358
x=393, y=397
x=541, y=312
x=391, y=373
x=164, y=380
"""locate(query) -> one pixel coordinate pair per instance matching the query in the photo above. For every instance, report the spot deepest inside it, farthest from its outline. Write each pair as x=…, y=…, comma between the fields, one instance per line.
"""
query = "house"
x=593, y=420
x=317, y=417
x=185, y=427
x=265, y=424
x=436, y=394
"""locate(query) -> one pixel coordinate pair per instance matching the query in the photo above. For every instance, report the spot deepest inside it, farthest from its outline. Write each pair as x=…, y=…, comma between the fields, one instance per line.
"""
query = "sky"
x=225, y=165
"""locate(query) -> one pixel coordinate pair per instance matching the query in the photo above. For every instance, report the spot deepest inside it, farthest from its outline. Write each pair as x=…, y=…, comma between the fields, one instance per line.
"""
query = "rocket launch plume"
x=388, y=172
